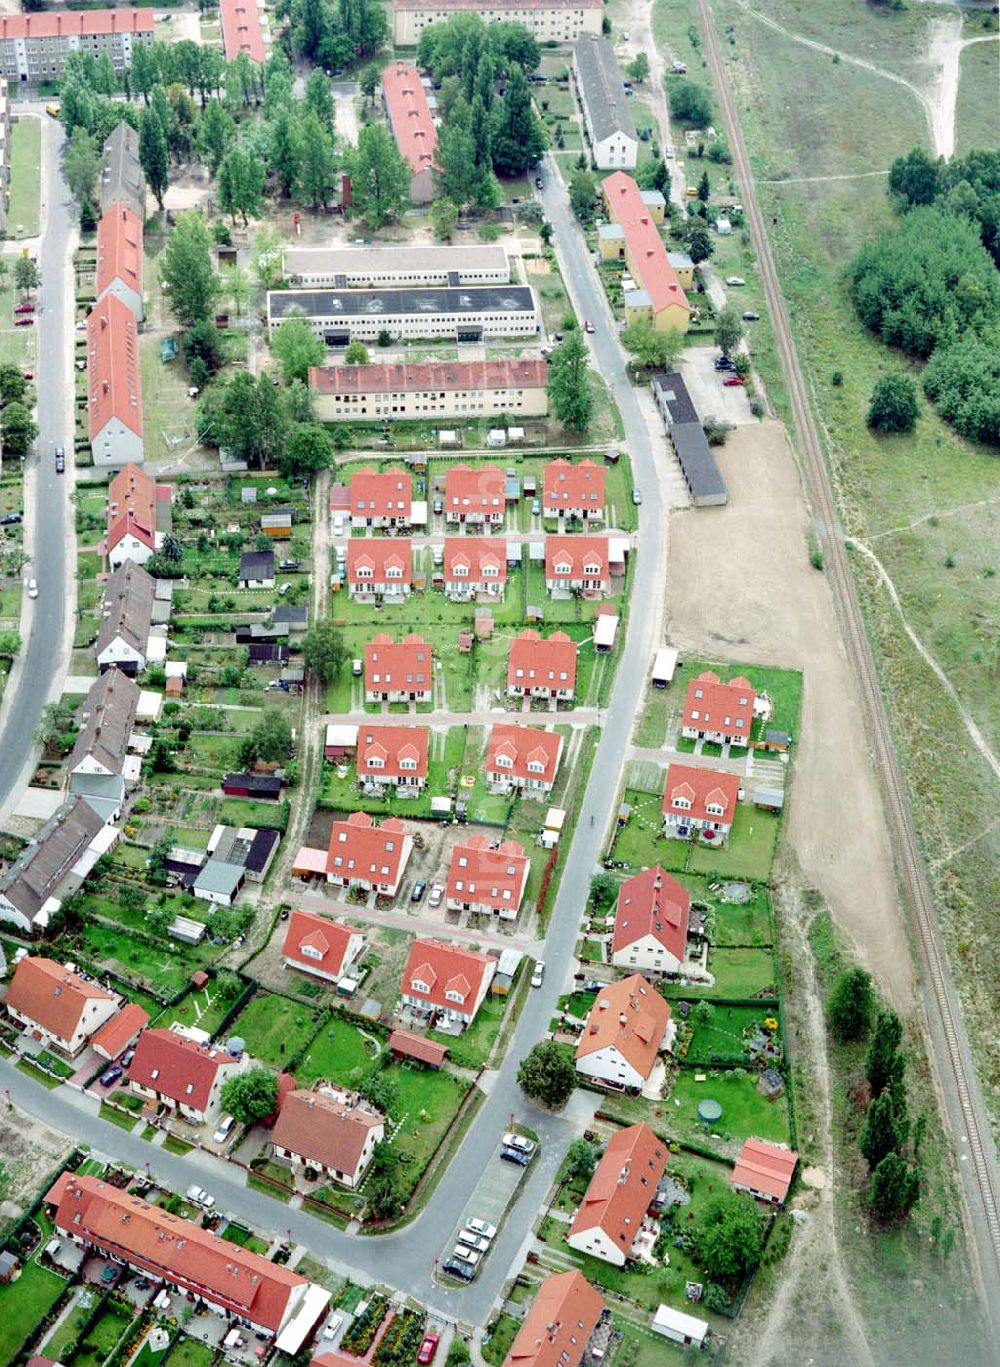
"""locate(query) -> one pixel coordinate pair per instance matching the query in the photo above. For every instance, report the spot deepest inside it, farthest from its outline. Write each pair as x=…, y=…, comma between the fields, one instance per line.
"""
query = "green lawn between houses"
x=339, y=1053
x=428, y=1103
x=274, y=1028
x=745, y=1112
x=22, y=1304
x=25, y=175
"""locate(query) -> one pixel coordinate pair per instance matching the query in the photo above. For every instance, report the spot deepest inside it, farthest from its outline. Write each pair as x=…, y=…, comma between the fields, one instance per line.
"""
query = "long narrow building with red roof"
x=397, y=391
x=114, y=389
x=634, y=237
x=409, y=113
x=241, y=30
x=119, y=257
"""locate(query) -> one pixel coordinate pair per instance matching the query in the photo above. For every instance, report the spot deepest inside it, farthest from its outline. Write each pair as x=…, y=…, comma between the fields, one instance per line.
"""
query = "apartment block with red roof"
x=328, y=1131
x=114, y=390
x=523, y=757
x=542, y=668
x=486, y=878
x=398, y=671
x=393, y=756
x=56, y=1006
x=699, y=803
x=379, y=569
x=651, y=923
x=614, y=1207
x=182, y=1075
x=474, y=567
x=446, y=983
x=34, y=47
x=380, y=498
x=633, y=236
x=138, y=516
x=765, y=1170
x=119, y=257
x=628, y=1027
x=717, y=711
x=558, y=1325
x=573, y=490
x=243, y=1286
x=475, y=497
x=408, y=109
x=401, y=390
x=315, y=944
x=579, y=564
x=241, y=30
x=364, y=855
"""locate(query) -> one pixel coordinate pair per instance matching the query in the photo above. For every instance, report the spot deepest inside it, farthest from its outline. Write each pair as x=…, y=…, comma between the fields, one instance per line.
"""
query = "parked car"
x=724, y=363
x=588, y=326
x=537, y=973
x=357, y=668
x=111, y=1076
x=731, y=381
x=288, y=565
x=439, y=505
x=32, y=588
x=458, y=1267
x=419, y=889
x=467, y=1255
x=436, y=893
x=751, y=316
x=200, y=1197
x=539, y=183
x=60, y=461
x=25, y=308
x=11, y=519
x=536, y=507
x=26, y=322
x=332, y=1325
x=283, y=589
x=473, y=1241
x=482, y=1227
x=735, y=280
x=427, y=1349
x=224, y=1130
x=518, y=1141
x=593, y=985
x=127, y=1057
x=284, y=914
x=637, y=497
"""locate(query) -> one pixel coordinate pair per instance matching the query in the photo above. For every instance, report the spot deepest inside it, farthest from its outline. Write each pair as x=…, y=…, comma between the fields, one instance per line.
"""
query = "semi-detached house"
x=53, y=865
x=114, y=389
x=475, y=497
x=445, y=982
x=327, y=1131
x=578, y=563
x=363, y=855
x=138, y=516
x=699, y=803
x=398, y=671
x=182, y=1075
x=474, y=567
x=622, y=1189
x=59, y=1008
x=573, y=490
x=558, y=1325
x=487, y=879
x=393, y=756
x=126, y=617
x=380, y=498
x=378, y=568
x=523, y=757
x=628, y=1026
x=542, y=668
x=99, y=768
x=717, y=711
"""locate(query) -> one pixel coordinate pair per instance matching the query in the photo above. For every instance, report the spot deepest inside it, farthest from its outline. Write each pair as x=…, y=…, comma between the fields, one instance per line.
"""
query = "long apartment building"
x=613, y=140
x=399, y=266
x=632, y=236
x=34, y=47
x=444, y=389
x=114, y=403
x=463, y=315
x=558, y=21
x=407, y=105
x=242, y=30
x=4, y=153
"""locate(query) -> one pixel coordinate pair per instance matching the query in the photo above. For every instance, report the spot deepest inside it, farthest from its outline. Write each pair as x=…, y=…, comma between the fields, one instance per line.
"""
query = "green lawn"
x=101, y=1337
x=238, y=1234
x=749, y=851
x=503, y=1332
x=739, y=972
x=744, y=1111
x=177, y=1146
x=471, y=1048
x=116, y=1117
x=339, y=1053
x=165, y=969
x=640, y=843
x=25, y=176
x=200, y=1008
x=721, y=1037
x=22, y=1304
x=274, y=1028
x=189, y=1353
x=428, y=1103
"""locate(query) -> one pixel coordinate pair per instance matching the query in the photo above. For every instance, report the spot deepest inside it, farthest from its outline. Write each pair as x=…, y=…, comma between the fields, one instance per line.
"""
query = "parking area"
x=708, y=393
x=494, y=1192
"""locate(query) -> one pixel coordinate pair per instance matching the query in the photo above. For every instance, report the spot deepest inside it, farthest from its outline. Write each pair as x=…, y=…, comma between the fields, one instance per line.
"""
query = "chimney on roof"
x=623, y=1019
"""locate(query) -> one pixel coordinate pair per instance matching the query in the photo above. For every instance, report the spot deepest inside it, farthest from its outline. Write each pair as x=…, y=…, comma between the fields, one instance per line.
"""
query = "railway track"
x=956, y=1073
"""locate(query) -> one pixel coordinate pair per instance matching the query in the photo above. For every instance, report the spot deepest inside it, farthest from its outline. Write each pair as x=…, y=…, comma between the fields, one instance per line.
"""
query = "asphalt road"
x=40, y=660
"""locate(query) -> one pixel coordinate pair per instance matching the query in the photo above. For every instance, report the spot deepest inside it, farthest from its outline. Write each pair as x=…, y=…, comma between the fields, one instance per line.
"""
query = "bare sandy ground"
x=740, y=586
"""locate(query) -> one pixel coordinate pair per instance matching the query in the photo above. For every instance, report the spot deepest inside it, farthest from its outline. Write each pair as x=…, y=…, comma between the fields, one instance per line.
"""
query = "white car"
x=466, y=1255
x=332, y=1325
x=435, y=895
x=32, y=588
x=735, y=280
x=538, y=973
x=225, y=1124
x=475, y=1241
x=518, y=1142
x=200, y=1197
x=482, y=1227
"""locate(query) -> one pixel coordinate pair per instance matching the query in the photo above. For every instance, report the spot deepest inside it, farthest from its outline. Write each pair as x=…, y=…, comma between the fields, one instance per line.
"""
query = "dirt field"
x=769, y=604
x=29, y=1152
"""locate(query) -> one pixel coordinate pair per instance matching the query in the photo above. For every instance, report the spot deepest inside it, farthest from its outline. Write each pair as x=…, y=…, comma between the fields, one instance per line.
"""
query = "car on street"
x=539, y=183
x=111, y=1076
x=482, y=1227
x=60, y=461
x=537, y=973
x=418, y=891
x=751, y=316
x=588, y=326
x=637, y=497
x=224, y=1130
x=731, y=381
x=332, y=1325
x=32, y=588
x=458, y=1267
x=436, y=893
x=474, y=1241
x=200, y=1197
x=427, y=1349
x=724, y=363
x=735, y=280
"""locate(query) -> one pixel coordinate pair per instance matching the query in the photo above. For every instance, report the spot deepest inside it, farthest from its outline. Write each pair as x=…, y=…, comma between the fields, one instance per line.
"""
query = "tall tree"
x=153, y=153
x=27, y=276
x=728, y=331
x=316, y=162
x=142, y=72
x=319, y=98
x=893, y=406
x=699, y=243
x=455, y=175
x=216, y=132
x=324, y=651
x=569, y=384
x=308, y=450
x=518, y=140
x=915, y=178
x=241, y=184
x=652, y=348
x=371, y=79
x=880, y=1133
x=310, y=23
x=883, y=1048
x=380, y=176
x=730, y=1237
x=851, y=1005
x=547, y=1074
x=250, y=420
x=18, y=429
x=81, y=163
x=251, y=1096
x=297, y=348
x=895, y=1188
x=268, y=246
x=286, y=148
x=186, y=269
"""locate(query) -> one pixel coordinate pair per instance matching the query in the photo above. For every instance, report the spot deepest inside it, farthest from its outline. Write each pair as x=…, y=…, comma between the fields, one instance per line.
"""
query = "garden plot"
x=745, y=1112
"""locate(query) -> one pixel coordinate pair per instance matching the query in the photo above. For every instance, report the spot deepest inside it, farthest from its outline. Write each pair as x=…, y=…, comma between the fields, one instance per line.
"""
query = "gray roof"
x=122, y=181
x=106, y=722
x=257, y=565
x=393, y=303
x=127, y=609
x=436, y=262
x=290, y=614
x=38, y=871
x=684, y=425
x=601, y=88
x=224, y=879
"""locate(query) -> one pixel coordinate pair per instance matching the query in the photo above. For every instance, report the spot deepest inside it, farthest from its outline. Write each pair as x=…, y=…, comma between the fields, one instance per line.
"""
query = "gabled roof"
x=645, y=245
x=519, y=750
x=473, y=559
x=418, y=377
x=451, y=6
x=378, y=560
x=494, y=878
x=325, y=938
x=602, y=87
x=106, y=723
x=40, y=868
x=177, y=1067
x=324, y=1130
x=442, y=968
x=652, y=903
x=720, y=706
x=257, y=565
x=700, y=788
x=241, y=30
x=374, y=493
x=623, y=1186
x=359, y=849
x=568, y=484
x=474, y=491
x=114, y=386
x=544, y=663
x=119, y=249
x=409, y=115
x=51, y=996
x=382, y=750
x=576, y=557
x=425, y=1050
x=630, y=1016
x=119, y=1032
x=404, y=665
x=766, y=1167
x=123, y=181
x=132, y=497
x=559, y=1322
x=81, y=24
x=127, y=608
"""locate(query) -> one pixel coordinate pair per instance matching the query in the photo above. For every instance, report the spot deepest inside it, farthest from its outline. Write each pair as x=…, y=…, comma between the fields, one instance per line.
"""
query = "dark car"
x=539, y=183
x=284, y=914
x=60, y=461
x=24, y=322
x=724, y=363
x=456, y=1268
x=288, y=564
x=751, y=316
x=417, y=895
x=111, y=1076
x=25, y=308
x=11, y=519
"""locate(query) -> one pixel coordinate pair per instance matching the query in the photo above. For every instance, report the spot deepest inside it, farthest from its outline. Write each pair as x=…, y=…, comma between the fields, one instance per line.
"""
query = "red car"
x=428, y=1348
x=28, y=374
x=25, y=308
x=731, y=380
x=24, y=322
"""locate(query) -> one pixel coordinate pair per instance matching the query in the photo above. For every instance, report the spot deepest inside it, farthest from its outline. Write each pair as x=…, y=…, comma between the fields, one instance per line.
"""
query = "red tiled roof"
x=119, y=249
x=404, y=665
x=376, y=560
x=559, y=1322
x=323, y=1130
x=474, y=491
x=68, y=23
x=48, y=994
x=493, y=878
x=417, y=1046
x=241, y=30
x=475, y=559
x=699, y=787
x=132, y=498
x=576, y=557
x=765, y=1167
x=720, y=706
x=318, y=933
x=418, y=377
x=443, y=968
x=652, y=903
x=409, y=115
x=623, y=1186
x=375, y=493
x=567, y=485
x=543, y=663
x=630, y=1016
x=645, y=245
x=119, y=1032
x=148, y=1237
x=517, y=751
x=113, y=381
x=177, y=1067
x=382, y=750
x=360, y=849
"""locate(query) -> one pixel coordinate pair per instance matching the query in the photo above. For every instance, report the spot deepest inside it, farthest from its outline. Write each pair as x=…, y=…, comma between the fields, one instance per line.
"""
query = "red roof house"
x=559, y=1323
x=578, y=562
x=114, y=402
x=380, y=498
x=646, y=255
x=628, y=1026
x=474, y=566
x=621, y=1191
x=720, y=712
x=475, y=496
x=315, y=944
x=57, y=1006
x=393, y=755
x=241, y=30
x=120, y=1031
x=765, y=1170
x=523, y=757
x=446, y=981
x=133, y=498
x=398, y=671
x=119, y=257
x=485, y=879
x=699, y=803
x=573, y=490
x=412, y=124
x=379, y=568
x=538, y=668
x=651, y=922
x=364, y=855
x=181, y=1074
x=324, y=1130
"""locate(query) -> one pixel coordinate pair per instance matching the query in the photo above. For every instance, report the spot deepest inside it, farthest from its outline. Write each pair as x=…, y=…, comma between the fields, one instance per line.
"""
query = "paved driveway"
x=710, y=396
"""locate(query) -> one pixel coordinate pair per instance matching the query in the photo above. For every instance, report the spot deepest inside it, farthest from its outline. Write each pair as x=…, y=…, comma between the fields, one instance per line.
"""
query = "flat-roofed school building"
x=342, y=268
x=464, y=315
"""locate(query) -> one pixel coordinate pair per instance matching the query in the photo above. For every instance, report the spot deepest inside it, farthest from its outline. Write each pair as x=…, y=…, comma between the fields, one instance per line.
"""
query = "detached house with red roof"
x=488, y=879
x=393, y=756
x=363, y=855
x=475, y=497
x=628, y=1026
x=381, y=498
x=560, y=1320
x=539, y=668
x=765, y=1170
x=445, y=983
x=56, y=1006
x=623, y=1187
x=326, y=949
x=573, y=490
x=523, y=757
x=719, y=712
x=327, y=1131
x=409, y=114
x=474, y=567
x=651, y=923
x=398, y=671
x=138, y=516
x=699, y=804
x=182, y=1075
x=119, y=258
x=114, y=390
x=379, y=569
x=580, y=564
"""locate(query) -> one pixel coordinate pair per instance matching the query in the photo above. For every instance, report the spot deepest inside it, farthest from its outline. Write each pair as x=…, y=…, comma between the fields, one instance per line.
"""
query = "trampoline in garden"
x=736, y=892
x=709, y=1111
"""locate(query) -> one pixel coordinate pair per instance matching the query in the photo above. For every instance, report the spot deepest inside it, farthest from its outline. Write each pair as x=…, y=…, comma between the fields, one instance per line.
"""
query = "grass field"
x=189, y=1353
x=740, y=972
x=428, y=1104
x=274, y=1028
x=165, y=969
x=977, y=113
x=721, y=1037
x=471, y=1049
x=22, y=1304
x=744, y=1111
x=337, y=1054
x=25, y=176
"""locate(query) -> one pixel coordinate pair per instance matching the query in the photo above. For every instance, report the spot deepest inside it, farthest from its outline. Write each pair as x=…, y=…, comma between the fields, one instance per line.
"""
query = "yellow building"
x=549, y=20
x=632, y=235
